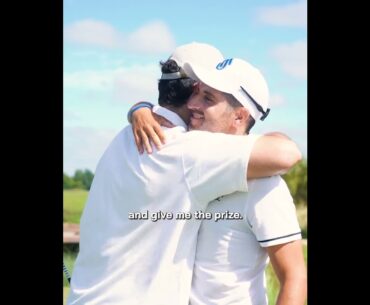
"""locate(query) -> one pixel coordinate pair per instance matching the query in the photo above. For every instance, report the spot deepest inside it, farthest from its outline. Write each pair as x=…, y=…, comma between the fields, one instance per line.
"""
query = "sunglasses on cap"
x=258, y=106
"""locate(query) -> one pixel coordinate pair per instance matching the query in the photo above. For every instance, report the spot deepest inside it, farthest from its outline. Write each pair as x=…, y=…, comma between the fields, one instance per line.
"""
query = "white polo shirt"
x=231, y=255
x=150, y=261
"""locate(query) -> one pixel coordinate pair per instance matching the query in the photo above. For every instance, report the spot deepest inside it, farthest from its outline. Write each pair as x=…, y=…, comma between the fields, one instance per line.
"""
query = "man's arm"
x=271, y=215
x=146, y=126
x=288, y=263
x=272, y=154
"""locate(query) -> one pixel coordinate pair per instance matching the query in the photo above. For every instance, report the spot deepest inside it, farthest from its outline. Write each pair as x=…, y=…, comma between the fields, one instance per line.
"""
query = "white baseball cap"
x=195, y=53
x=239, y=78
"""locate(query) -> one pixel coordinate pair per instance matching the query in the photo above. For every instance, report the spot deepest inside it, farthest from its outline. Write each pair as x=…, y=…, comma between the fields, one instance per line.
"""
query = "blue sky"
x=112, y=49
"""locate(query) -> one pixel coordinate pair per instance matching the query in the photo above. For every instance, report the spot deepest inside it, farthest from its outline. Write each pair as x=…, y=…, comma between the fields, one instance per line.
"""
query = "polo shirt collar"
x=173, y=117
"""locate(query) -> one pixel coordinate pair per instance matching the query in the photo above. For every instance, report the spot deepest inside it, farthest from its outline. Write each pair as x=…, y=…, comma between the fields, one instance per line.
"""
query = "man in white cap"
x=138, y=233
x=232, y=255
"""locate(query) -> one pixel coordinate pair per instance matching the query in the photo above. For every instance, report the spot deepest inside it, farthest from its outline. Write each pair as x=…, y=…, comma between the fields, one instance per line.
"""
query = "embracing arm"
x=272, y=154
x=288, y=263
x=146, y=126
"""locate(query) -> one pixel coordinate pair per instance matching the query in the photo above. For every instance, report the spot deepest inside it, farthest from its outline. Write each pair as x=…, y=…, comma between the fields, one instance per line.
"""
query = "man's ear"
x=241, y=116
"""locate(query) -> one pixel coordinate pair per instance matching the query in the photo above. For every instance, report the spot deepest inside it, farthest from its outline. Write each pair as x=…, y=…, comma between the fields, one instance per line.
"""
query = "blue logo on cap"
x=224, y=63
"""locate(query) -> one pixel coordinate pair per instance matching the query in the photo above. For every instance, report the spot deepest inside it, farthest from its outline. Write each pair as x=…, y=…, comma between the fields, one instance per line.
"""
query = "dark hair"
x=235, y=103
x=174, y=92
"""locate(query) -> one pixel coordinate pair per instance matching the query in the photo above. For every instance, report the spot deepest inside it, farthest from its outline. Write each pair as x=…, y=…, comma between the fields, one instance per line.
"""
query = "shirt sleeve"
x=271, y=213
x=215, y=164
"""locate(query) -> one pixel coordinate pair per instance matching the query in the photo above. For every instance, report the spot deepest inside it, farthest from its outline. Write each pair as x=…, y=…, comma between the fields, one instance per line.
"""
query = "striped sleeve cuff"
x=280, y=239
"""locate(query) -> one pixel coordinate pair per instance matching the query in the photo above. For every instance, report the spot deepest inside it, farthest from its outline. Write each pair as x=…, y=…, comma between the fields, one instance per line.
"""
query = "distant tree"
x=78, y=178
x=296, y=179
x=88, y=178
x=83, y=178
x=68, y=182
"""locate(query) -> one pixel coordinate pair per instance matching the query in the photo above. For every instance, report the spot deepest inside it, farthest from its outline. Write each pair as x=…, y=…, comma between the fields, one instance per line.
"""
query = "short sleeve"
x=271, y=213
x=215, y=164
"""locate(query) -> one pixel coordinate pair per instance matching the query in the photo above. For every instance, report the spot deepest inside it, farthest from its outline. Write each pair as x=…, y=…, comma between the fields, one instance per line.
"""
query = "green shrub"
x=296, y=180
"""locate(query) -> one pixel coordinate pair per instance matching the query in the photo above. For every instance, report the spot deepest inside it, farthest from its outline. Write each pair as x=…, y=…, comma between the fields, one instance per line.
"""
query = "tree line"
x=81, y=179
x=296, y=179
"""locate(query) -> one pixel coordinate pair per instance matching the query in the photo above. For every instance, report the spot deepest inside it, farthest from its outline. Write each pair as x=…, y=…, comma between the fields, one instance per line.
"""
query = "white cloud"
x=83, y=147
x=292, y=14
x=276, y=100
x=126, y=84
x=151, y=38
x=293, y=58
x=89, y=79
x=154, y=37
x=137, y=83
x=93, y=32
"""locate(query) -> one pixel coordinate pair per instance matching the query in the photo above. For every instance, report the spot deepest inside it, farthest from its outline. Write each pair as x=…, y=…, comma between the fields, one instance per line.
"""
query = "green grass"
x=69, y=260
x=73, y=204
x=65, y=295
x=272, y=282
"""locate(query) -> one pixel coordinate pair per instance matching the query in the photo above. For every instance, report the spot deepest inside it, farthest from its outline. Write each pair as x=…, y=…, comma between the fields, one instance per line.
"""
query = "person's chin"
x=195, y=124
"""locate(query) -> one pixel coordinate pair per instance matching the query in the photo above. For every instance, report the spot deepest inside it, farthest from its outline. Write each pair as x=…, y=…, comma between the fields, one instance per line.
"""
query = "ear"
x=241, y=116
